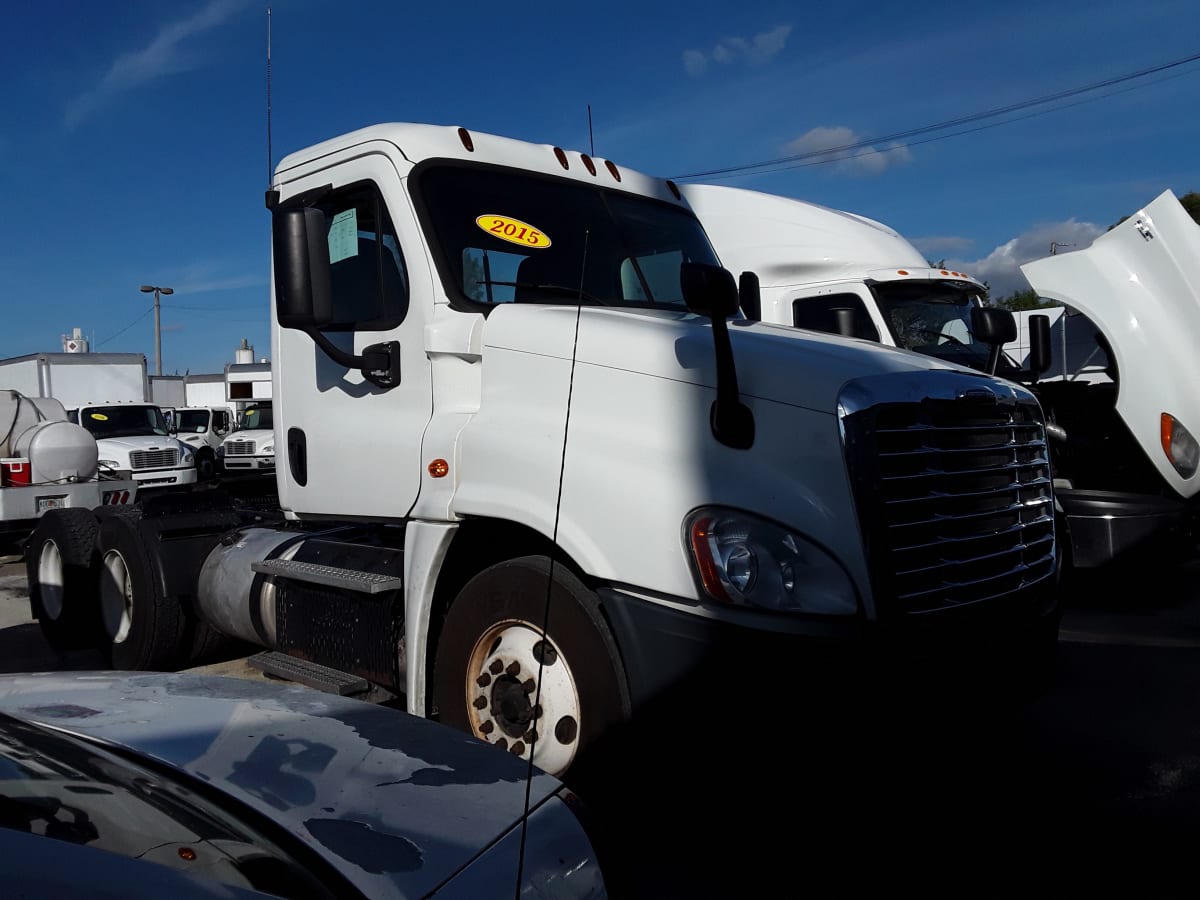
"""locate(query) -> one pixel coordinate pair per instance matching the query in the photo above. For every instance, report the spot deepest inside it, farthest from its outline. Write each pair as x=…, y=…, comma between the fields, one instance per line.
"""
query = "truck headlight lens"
x=269, y=450
x=1179, y=445
x=186, y=453
x=108, y=463
x=747, y=561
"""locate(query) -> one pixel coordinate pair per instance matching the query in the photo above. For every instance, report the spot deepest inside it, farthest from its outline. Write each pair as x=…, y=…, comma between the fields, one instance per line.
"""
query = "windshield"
x=69, y=790
x=504, y=236
x=933, y=318
x=123, y=421
x=192, y=421
x=256, y=417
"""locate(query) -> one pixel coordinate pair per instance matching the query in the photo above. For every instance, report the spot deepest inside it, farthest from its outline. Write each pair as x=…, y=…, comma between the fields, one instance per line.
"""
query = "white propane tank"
x=58, y=451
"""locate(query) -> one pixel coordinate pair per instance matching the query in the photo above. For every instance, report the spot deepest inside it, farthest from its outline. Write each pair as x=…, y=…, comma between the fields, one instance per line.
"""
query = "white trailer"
x=78, y=378
x=536, y=472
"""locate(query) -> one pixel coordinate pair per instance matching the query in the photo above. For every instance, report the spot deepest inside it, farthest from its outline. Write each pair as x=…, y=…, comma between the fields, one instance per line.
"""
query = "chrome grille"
x=153, y=459
x=956, y=496
x=239, y=448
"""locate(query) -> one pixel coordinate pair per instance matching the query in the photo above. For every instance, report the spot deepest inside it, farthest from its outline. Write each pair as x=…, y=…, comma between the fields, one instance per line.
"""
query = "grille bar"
x=966, y=495
x=153, y=459
x=946, y=563
x=994, y=448
x=950, y=473
x=965, y=538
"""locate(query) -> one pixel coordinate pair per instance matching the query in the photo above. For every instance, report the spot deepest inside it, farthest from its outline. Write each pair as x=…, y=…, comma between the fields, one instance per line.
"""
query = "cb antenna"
x=591, y=139
x=270, y=173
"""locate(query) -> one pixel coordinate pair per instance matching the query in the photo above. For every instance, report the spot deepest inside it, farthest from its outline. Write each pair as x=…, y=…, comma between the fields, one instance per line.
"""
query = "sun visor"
x=1140, y=285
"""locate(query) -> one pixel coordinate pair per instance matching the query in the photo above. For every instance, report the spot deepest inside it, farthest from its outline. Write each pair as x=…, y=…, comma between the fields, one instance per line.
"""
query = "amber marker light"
x=187, y=853
x=439, y=468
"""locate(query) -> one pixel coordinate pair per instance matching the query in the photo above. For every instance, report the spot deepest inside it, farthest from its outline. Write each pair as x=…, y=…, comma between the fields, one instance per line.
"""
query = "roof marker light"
x=902, y=271
x=588, y=164
x=561, y=157
x=465, y=137
x=612, y=169
x=944, y=272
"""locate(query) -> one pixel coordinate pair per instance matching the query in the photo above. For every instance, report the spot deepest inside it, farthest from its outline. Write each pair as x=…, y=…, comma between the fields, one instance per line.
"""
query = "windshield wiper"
x=560, y=289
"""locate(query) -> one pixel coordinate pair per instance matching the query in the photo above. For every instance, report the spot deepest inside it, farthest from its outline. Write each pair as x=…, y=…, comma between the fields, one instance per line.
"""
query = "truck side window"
x=817, y=314
x=368, y=277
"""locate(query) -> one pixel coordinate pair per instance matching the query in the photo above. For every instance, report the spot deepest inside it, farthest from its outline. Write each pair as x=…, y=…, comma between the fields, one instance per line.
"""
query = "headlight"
x=186, y=453
x=269, y=450
x=1179, y=445
x=108, y=463
x=747, y=561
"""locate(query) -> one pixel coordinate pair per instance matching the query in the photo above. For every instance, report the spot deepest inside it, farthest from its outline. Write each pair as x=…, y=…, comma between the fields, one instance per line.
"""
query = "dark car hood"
x=395, y=803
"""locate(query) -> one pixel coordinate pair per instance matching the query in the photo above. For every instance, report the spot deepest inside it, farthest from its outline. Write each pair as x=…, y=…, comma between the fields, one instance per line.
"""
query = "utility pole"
x=156, y=290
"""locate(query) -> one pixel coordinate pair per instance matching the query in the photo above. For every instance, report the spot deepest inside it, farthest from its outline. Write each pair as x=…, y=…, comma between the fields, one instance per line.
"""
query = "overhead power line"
x=829, y=152
x=149, y=309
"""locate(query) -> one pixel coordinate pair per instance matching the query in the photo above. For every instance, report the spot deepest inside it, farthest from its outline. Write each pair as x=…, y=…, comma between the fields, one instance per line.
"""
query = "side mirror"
x=1039, y=344
x=992, y=325
x=843, y=321
x=708, y=290
x=750, y=296
x=300, y=249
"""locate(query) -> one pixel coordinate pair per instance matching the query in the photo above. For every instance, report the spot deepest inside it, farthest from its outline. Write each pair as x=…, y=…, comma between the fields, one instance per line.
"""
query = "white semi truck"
x=536, y=470
x=1120, y=492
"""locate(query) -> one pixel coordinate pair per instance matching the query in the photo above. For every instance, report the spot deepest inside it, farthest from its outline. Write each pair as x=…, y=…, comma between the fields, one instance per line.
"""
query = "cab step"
x=310, y=674
x=329, y=576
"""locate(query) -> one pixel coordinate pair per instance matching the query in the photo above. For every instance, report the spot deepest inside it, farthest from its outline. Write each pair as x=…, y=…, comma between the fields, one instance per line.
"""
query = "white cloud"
x=206, y=286
x=164, y=55
x=834, y=144
x=761, y=48
x=1000, y=268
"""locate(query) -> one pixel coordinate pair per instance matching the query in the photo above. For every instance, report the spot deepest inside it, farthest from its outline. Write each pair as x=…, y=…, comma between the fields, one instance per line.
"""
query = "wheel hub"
x=507, y=705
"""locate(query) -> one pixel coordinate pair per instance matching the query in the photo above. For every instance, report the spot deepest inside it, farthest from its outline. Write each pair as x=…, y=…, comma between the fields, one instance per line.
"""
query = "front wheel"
x=206, y=465
x=497, y=677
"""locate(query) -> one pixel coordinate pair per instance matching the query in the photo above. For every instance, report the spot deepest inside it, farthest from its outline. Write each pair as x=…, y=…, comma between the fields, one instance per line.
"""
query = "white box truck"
x=77, y=378
x=1120, y=495
x=536, y=471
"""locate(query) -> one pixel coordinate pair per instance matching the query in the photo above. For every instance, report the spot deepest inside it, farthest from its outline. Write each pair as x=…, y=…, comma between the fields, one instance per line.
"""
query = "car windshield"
x=68, y=789
x=123, y=421
x=192, y=421
x=256, y=417
x=504, y=236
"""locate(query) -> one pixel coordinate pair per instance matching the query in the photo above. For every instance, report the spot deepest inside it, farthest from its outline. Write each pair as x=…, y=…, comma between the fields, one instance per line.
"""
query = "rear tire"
x=145, y=629
x=487, y=665
x=60, y=568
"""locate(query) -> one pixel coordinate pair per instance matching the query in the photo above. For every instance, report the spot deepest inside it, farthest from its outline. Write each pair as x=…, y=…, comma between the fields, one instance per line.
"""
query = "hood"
x=395, y=803
x=1140, y=286
x=774, y=362
x=258, y=435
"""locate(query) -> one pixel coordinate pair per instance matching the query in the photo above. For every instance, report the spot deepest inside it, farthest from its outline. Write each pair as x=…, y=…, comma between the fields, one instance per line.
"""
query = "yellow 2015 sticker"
x=99, y=417
x=514, y=231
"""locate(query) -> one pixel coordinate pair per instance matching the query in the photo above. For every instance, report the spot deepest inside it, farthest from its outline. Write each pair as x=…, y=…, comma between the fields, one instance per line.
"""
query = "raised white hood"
x=1140, y=285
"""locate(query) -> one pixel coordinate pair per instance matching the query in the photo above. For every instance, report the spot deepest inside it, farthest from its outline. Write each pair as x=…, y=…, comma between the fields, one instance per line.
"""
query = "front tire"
x=492, y=659
x=206, y=465
x=60, y=568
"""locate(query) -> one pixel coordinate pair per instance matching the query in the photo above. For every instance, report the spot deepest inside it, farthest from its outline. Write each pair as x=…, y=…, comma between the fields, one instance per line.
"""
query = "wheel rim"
x=116, y=597
x=50, y=580
x=503, y=699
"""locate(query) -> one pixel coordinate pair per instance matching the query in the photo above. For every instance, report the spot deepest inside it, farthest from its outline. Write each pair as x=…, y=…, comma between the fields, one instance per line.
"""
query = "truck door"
x=347, y=447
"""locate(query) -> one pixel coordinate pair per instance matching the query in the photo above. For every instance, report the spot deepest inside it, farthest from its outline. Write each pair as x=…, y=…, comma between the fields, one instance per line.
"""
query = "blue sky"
x=133, y=141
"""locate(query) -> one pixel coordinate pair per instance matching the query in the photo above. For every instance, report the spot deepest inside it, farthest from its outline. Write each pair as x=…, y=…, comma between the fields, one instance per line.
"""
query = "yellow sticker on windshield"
x=99, y=417
x=514, y=231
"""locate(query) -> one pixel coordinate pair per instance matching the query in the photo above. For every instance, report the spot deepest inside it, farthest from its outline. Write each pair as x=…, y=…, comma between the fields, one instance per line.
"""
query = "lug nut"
x=529, y=686
x=544, y=653
x=537, y=711
x=496, y=667
x=480, y=703
x=514, y=669
x=484, y=680
x=531, y=735
x=502, y=743
x=518, y=748
x=487, y=727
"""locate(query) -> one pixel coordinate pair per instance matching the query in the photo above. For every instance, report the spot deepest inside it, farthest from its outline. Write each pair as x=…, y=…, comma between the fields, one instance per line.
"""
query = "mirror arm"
x=379, y=363
x=731, y=420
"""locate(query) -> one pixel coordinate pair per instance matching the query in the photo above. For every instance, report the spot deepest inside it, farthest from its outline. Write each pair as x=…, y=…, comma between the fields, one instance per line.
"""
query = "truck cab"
x=250, y=447
x=203, y=428
x=135, y=442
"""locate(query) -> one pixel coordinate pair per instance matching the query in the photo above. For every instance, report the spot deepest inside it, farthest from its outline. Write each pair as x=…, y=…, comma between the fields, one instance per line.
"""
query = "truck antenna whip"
x=562, y=467
x=270, y=173
x=591, y=138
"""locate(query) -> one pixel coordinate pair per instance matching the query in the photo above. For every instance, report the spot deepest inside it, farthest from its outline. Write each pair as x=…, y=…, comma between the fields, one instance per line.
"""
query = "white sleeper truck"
x=1122, y=491
x=536, y=469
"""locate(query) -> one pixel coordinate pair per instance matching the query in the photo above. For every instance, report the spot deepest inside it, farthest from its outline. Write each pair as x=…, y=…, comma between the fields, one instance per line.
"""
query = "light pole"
x=156, y=290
